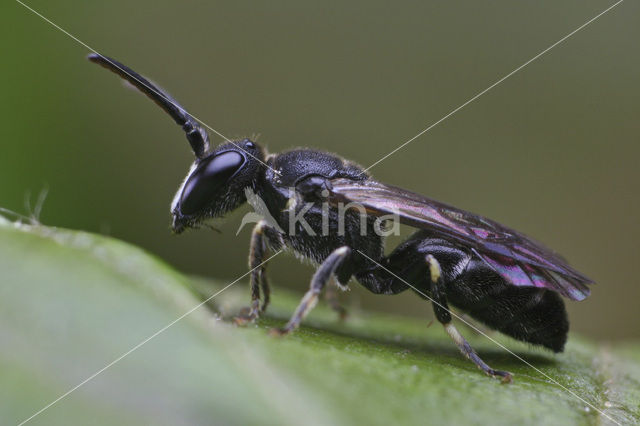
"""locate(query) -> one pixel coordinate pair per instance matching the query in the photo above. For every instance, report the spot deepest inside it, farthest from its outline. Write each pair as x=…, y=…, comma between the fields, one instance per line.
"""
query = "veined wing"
x=518, y=258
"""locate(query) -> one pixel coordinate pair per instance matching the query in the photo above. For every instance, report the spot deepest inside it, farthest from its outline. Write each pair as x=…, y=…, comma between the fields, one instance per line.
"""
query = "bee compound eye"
x=209, y=181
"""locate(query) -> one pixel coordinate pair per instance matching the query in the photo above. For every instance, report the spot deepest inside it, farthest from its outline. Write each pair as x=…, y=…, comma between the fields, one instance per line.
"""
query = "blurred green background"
x=552, y=151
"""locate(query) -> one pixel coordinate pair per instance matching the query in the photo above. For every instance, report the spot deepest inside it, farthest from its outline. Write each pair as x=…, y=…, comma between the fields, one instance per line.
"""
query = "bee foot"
x=245, y=317
x=278, y=332
x=504, y=376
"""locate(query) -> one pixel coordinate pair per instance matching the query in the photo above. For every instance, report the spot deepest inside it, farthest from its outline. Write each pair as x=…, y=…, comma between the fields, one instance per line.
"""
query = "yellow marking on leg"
x=453, y=332
x=259, y=228
x=434, y=268
x=291, y=204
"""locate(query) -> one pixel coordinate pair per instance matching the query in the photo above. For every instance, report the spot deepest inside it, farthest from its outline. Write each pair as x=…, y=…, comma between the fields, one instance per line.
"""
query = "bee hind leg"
x=443, y=314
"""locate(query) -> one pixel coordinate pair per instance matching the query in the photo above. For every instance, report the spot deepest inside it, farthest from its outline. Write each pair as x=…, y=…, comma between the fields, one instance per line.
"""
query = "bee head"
x=215, y=183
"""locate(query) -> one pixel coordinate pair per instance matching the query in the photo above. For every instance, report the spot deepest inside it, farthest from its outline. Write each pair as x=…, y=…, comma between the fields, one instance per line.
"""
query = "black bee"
x=497, y=275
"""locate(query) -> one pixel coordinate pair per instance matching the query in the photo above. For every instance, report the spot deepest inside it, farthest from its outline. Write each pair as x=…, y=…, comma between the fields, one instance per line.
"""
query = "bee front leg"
x=258, y=278
x=318, y=282
x=443, y=314
x=266, y=289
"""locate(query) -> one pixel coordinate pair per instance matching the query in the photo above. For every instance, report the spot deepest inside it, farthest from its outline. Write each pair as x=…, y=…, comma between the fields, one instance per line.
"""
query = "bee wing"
x=521, y=260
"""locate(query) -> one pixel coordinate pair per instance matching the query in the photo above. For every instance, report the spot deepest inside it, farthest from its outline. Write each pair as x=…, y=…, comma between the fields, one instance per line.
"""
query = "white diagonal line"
x=142, y=83
x=91, y=377
x=495, y=84
x=554, y=381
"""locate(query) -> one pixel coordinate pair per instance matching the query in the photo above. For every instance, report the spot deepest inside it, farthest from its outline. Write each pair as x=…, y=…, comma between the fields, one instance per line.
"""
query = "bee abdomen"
x=529, y=314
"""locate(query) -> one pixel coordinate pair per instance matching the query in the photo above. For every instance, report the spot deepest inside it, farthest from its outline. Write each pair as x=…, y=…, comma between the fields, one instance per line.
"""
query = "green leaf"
x=72, y=303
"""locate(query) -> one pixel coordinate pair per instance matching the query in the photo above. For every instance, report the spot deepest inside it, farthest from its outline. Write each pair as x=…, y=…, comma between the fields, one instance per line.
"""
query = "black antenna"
x=196, y=134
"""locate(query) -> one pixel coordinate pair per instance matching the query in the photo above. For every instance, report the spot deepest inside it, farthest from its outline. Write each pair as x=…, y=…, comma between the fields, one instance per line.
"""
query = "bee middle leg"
x=443, y=314
x=331, y=296
x=318, y=282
